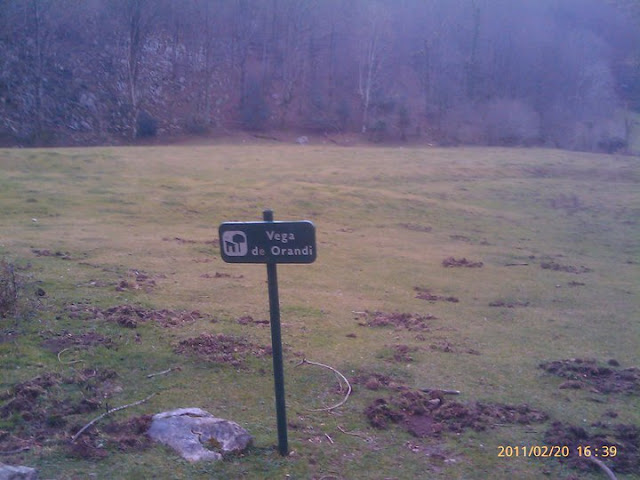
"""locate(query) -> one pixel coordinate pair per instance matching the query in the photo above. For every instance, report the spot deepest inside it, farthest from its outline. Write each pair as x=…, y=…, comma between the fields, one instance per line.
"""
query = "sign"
x=271, y=243
x=268, y=242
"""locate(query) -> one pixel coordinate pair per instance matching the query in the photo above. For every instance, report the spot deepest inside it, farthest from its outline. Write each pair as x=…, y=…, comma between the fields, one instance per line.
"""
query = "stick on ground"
x=603, y=467
x=340, y=376
x=108, y=412
x=164, y=372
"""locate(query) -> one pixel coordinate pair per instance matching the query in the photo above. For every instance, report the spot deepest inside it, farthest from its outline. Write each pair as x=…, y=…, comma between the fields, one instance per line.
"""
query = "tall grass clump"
x=8, y=289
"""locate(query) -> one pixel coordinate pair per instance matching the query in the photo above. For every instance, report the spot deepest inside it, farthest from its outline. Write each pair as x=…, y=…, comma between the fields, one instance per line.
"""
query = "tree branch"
x=340, y=376
x=108, y=412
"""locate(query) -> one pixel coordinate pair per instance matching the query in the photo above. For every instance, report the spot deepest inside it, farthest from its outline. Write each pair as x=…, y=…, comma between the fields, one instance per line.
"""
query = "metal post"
x=276, y=346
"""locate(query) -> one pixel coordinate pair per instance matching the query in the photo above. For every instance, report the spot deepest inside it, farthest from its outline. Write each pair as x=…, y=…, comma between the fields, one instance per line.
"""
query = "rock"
x=303, y=140
x=8, y=472
x=197, y=435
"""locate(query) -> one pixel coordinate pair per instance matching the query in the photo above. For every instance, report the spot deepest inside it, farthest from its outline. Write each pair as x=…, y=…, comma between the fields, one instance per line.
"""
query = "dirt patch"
x=138, y=280
x=377, y=381
x=460, y=238
x=623, y=439
x=594, y=376
x=415, y=227
x=429, y=414
x=43, y=252
x=59, y=341
x=508, y=303
x=447, y=347
x=130, y=316
x=40, y=408
x=221, y=348
x=462, y=262
x=23, y=397
x=426, y=294
x=409, y=321
x=125, y=436
x=564, y=268
x=220, y=275
x=249, y=320
x=401, y=353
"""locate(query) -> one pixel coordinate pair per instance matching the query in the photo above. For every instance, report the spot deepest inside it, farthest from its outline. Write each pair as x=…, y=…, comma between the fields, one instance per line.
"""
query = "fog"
x=490, y=72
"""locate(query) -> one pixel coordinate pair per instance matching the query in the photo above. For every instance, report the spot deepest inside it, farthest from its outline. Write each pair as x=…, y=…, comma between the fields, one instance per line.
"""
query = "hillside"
x=484, y=72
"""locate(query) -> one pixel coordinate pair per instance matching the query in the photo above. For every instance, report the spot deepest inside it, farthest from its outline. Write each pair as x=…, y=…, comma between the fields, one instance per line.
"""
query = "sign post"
x=271, y=242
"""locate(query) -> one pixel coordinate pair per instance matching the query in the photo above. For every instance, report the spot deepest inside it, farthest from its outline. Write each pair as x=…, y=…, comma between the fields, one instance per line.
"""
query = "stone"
x=303, y=140
x=197, y=435
x=9, y=472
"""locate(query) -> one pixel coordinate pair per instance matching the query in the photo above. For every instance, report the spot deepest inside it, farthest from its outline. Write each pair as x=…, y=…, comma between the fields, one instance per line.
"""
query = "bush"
x=147, y=126
x=377, y=131
x=403, y=121
x=254, y=111
x=343, y=113
x=196, y=126
x=497, y=122
x=511, y=122
x=8, y=290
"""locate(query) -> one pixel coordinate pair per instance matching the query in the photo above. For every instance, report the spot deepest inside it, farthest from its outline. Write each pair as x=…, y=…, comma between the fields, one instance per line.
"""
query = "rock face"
x=8, y=472
x=197, y=435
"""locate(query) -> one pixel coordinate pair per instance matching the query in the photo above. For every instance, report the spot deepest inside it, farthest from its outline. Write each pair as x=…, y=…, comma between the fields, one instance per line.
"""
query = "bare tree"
x=371, y=58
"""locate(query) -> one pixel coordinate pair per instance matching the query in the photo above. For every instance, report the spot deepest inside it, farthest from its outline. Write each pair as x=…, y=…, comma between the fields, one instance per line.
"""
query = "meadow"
x=437, y=269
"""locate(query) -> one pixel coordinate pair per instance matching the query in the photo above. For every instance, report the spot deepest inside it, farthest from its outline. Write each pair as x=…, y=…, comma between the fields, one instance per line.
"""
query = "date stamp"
x=562, y=451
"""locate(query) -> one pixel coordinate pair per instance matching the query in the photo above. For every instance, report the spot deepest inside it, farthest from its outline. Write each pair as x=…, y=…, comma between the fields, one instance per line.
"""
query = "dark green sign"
x=271, y=243
x=268, y=242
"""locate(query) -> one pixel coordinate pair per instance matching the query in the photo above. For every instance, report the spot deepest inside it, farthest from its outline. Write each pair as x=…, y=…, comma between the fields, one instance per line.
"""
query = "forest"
x=562, y=74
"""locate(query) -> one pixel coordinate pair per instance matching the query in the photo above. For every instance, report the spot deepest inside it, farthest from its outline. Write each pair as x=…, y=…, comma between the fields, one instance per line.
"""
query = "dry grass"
x=385, y=219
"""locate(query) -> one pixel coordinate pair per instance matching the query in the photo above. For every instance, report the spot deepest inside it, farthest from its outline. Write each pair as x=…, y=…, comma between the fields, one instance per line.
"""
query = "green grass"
x=385, y=220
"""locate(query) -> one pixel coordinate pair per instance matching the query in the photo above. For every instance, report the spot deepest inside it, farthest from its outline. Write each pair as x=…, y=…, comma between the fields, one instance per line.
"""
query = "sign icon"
x=234, y=243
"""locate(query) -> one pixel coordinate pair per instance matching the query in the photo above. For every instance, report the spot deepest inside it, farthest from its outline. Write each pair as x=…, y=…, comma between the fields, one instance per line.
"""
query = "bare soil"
x=508, y=304
x=377, y=381
x=564, y=268
x=595, y=376
x=426, y=294
x=249, y=320
x=138, y=280
x=42, y=408
x=130, y=315
x=462, y=262
x=57, y=342
x=222, y=348
x=402, y=353
x=409, y=321
x=125, y=436
x=446, y=346
x=43, y=252
x=415, y=227
x=624, y=437
x=430, y=414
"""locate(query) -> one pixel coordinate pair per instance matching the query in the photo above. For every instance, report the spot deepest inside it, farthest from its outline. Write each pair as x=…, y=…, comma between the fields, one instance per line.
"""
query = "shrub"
x=254, y=111
x=403, y=121
x=147, y=126
x=377, y=131
x=8, y=290
x=511, y=122
x=343, y=113
x=196, y=126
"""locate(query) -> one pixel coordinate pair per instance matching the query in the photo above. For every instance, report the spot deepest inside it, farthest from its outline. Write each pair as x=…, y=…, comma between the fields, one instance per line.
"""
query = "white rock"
x=197, y=435
x=9, y=472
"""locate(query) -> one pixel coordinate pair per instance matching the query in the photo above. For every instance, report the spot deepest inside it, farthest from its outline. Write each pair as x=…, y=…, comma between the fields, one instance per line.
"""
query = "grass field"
x=557, y=234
